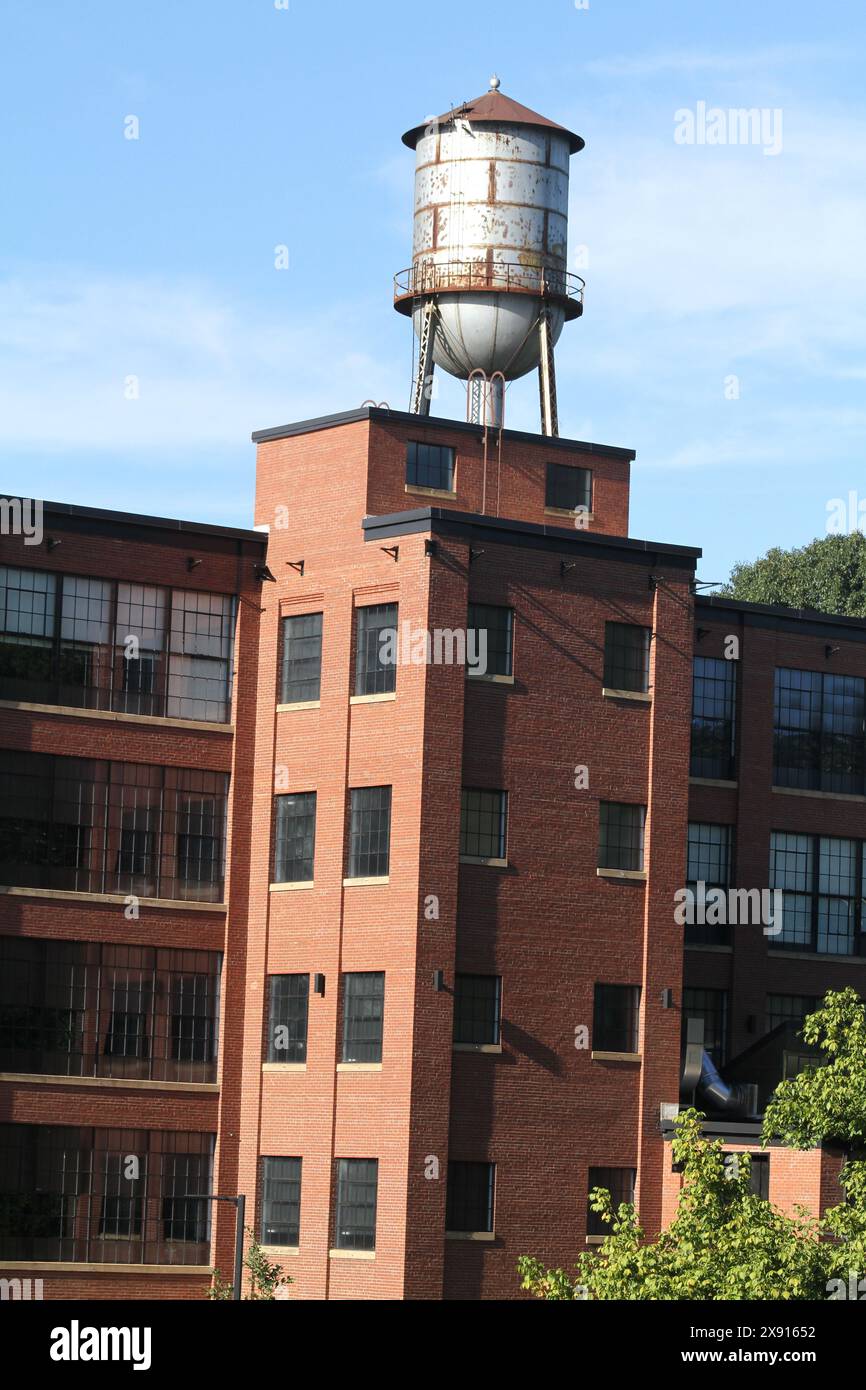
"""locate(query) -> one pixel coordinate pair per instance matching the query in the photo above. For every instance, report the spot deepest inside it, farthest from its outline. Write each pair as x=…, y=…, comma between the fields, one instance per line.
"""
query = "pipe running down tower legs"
x=547, y=377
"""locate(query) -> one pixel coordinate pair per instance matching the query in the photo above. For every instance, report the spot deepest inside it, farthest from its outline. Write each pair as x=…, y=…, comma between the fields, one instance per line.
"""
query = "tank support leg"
x=547, y=377
x=422, y=387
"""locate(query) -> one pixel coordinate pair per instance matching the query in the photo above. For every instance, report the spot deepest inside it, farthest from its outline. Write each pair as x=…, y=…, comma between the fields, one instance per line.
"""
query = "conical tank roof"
x=494, y=109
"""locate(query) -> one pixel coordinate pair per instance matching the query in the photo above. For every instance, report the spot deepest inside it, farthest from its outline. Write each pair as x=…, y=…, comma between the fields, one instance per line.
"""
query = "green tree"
x=828, y=574
x=265, y=1277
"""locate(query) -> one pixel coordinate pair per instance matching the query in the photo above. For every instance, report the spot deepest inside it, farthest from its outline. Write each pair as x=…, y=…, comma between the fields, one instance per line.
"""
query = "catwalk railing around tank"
x=499, y=277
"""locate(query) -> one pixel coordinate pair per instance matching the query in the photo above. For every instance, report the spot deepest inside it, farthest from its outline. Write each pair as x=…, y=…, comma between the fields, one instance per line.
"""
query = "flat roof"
x=405, y=417
x=160, y=523
x=778, y=616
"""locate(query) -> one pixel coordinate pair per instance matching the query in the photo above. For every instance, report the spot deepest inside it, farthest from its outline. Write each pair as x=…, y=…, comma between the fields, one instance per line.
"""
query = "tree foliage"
x=828, y=574
x=265, y=1277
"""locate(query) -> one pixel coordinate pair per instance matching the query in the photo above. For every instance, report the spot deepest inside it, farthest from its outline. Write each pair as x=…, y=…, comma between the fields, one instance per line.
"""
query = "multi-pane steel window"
x=103, y=644
x=430, y=465
x=87, y=1008
x=369, y=832
x=288, y=1009
x=615, y=1017
x=281, y=1201
x=711, y=1005
x=759, y=1175
x=483, y=823
x=376, y=649
x=490, y=632
x=819, y=731
x=619, y=1182
x=96, y=827
x=363, y=1016
x=620, y=842
x=295, y=837
x=822, y=882
x=714, y=704
x=477, y=1009
x=355, y=1216
x=470, y=1197
x=302, y=659
x=790, y=1008
x=709, y=862
x=626, y=657
x=568, y=488
x=104, y=1196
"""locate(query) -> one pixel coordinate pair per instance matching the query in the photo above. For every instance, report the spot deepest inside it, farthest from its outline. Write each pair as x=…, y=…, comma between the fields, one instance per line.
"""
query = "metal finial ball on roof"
x=495, y=83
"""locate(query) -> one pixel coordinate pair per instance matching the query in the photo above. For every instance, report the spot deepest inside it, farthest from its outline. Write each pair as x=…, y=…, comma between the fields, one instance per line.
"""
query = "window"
x=790, y=1008
x=711, y=1005
x=714, y=699
x=490, y=630
x=483, y=824
x=185, y=1215
x=302, y=659
x=363, y=1016
x=375, y=649
x=819, y=731
x=759, y=1175
x=295, y=837
x=615, y=1018
x=355, y=1224
x=619, y=1182
x=567, y=488
x=192, y=1023
x=470, y=1196
x=626, y=657
x=621, y=829
x=709, y=862
x=477, y=1009
x=822, y=883
x=281, y=1201
x=430, y=465
x=287, y=1018
x=369, y=832
x=122, y=1212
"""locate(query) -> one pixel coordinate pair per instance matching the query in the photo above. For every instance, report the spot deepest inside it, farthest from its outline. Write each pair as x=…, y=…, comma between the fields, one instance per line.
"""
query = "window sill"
x=294, y=885
x=712, y=782
x=470, y=1235
x=104, y=1267
x=632, y=875
x=299, y=704
x=640, y=697
x=492, y=863
x=114, y=1083
x=572, y=512
x=824, y=796
x=120, y=717
x=595, y=1240
x=359, y=1066
x=351, y=1254
x=428, y=491
x=365, y=882
x=284, y=1066
x=277, y=1250
x=477, y=1047
x=485, y=679
x=615, y=1056
x=69, y=895
x=381, y=699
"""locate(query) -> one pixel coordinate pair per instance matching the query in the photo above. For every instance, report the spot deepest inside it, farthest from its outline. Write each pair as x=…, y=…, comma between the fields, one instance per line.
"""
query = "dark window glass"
x=193, y=1037
x=430, y=465
x=369, y=832
x=621, y=829
x=185, y=1212
x=709, y=862
x=714, y=700
x=759, y=1175
x=470, y=1196
x=295, y=837
x=281, y=1201
x=568, y=488
x=711, y=1005
x=819, y=731
x=615, y=1018
x=619, y=1182
x=490, y=630
x=483, y=823
x=355, y=1223
x=376, y=650
x=476, y=1009
x=122, y=1214
x=822, y=883
x=287, y=1018
x=790, y=1008
x=626, y=657
x=127, y=1034
x=363, y=1016
x=302, y=658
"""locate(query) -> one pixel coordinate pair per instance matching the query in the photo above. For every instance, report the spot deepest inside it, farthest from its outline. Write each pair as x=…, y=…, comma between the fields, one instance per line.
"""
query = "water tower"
x=488, y=291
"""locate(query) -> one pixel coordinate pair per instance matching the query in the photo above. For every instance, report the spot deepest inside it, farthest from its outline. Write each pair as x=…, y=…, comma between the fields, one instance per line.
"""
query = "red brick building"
x=384, y=936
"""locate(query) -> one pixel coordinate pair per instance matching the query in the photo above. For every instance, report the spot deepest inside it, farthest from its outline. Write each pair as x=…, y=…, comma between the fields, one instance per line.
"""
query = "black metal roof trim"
x=66, y=510
x=806, y=621
x=404, y=417
x=529, y=534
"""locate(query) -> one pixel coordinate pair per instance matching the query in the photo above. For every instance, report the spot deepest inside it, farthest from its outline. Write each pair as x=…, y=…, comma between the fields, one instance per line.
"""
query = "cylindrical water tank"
x=490, y=234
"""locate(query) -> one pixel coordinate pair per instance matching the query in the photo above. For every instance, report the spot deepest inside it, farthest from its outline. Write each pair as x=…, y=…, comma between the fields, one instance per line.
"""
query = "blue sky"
x=154, y=258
